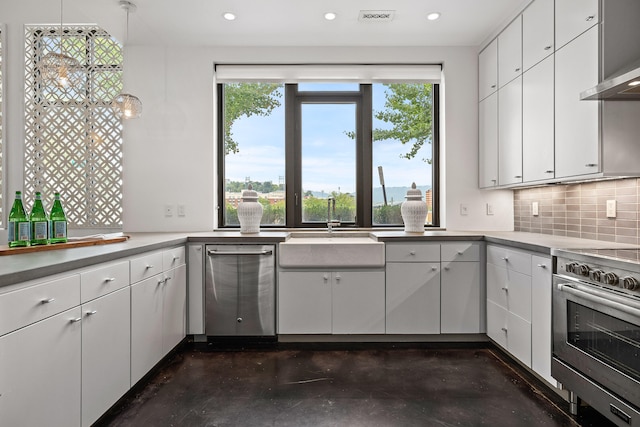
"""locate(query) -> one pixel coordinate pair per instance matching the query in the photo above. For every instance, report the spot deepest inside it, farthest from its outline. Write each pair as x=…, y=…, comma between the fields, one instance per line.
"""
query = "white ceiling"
x=301, y=22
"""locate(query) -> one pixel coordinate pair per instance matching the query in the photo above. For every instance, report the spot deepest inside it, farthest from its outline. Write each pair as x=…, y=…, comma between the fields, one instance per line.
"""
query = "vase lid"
x=250, y=195
x=414, y=193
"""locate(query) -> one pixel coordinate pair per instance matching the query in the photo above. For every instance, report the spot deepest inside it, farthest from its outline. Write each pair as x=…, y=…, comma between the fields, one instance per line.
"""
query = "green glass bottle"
x=39, y=222
x=19, y=230
x=58, y=232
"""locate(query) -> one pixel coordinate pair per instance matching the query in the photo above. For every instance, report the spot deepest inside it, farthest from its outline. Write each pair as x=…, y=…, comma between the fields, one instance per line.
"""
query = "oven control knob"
x=570, y=267
x=596, y=275
x=611, y=279
x=630, y=283
x=583, y=270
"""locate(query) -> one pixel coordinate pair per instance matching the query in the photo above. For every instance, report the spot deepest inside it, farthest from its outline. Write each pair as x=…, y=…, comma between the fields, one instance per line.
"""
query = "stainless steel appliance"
x=240, y=290
x=596, y=330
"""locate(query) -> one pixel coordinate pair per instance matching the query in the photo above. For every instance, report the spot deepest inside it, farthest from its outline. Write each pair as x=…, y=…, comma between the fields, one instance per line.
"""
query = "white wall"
x=169, y=151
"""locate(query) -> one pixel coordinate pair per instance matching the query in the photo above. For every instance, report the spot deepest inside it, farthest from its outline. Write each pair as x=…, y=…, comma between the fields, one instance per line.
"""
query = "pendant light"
x=59, y=69
x=125, y=105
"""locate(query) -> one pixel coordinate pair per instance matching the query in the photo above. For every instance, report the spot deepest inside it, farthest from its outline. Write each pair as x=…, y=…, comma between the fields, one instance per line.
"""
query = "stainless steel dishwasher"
x=240, y=290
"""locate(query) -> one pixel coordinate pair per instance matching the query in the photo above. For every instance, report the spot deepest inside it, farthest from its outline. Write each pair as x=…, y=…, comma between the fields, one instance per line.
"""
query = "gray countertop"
x=20, y=268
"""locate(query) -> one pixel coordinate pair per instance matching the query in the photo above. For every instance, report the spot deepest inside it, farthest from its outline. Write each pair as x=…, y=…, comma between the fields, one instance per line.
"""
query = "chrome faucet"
x=331, y=213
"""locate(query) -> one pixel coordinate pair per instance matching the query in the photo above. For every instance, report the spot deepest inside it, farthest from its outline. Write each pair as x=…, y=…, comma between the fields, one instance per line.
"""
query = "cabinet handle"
x=505, y=258
x=161, y=281
x=460, y=252
x=176, y=257
x=239, y=320
x=505, y=289
x=76, y=320
x=504, y=330
x=412, y=253
x=493, y=86
x=590, y=18
x=446, y=268
x=517, y=70
x=325, y=277
x=149, y=266
x=434, y=268
x=548, y=171
x=542, y=266
x=91, y=313
x=47, y=300
x=494, y=180
x=518, y=176
x=110, y=279
x=547, y=47
x=591, y=165
x=338, y=278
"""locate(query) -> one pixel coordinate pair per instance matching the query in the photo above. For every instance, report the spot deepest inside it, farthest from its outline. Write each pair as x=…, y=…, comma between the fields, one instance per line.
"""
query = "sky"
x=328, y=154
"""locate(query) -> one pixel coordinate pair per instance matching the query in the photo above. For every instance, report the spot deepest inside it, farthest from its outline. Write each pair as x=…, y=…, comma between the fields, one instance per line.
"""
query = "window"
x=73, y=139
x=307, y=146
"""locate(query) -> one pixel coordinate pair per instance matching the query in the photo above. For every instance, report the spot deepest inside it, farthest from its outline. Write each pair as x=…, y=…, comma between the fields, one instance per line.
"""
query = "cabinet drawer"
x=463, y=251
x=172, y=258
x=416, y=252
x=25, y=306
x=146, y=266
x=104, y=280
x=509, y=258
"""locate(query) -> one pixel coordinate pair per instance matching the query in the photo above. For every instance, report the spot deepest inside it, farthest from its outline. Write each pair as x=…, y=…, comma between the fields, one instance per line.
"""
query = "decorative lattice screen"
x=73, y=140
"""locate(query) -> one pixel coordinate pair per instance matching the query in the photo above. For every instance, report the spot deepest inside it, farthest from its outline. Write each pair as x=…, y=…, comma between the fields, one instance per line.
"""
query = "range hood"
x=623, y=85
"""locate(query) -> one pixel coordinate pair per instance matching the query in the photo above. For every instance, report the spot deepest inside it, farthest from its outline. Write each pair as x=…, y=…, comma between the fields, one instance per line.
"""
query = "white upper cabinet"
x=488, y=70
x=510, y=52
x=538, y=122
x=537, y=32
x=574, y=17
x=577, y=144
x=488, y=123
x=510, y=133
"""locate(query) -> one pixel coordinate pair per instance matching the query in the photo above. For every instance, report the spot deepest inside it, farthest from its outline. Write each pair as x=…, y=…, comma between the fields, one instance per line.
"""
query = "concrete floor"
x=335, y=387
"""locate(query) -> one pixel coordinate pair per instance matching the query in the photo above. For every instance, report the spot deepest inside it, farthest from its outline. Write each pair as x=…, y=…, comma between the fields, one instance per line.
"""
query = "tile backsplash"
x=580, y=210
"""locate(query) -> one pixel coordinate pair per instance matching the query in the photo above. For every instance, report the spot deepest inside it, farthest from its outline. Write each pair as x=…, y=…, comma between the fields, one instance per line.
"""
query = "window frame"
x=293, y=100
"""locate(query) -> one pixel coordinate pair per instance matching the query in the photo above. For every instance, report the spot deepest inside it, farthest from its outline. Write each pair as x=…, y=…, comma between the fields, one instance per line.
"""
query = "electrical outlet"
x=534, y=209
x=489, y=209
x=168, y=211
x=182, y=210
x=611, y=208
x=464, y=209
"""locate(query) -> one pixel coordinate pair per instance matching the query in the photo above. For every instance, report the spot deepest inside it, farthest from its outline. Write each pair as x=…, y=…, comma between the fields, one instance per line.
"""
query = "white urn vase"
x=249, y=212
x=414, y=211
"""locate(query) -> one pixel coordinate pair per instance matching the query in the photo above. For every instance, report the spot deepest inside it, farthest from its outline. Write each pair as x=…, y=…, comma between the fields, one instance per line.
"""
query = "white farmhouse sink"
x=331, y=250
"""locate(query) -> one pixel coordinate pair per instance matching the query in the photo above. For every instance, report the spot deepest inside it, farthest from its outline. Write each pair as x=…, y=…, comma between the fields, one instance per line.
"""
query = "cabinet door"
x=510, y=52
x=146, y=326
x=174, y=308
x=518, y=290
x=40, y=373
x=510, y=133
x=304, y=302
x=537, y=32
x=460, y=298
x=413, y=298
x=541, y=338
x=519, y=338
x=573, y=17
x=497, y=323
x=537, y=122
x=106, y=353
x=358, y=302
x=488, y=70
x=577, y=136
x=488, y=122
x=497, y=285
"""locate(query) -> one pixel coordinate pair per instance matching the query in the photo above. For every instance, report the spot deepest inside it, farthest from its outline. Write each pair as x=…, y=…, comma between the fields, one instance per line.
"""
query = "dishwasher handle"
x=212, y=252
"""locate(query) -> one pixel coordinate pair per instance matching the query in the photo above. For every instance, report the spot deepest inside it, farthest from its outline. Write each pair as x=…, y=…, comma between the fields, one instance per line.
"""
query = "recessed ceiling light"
x=229, y=16
x=634, y=83
x=433, y=16
x=330, y=16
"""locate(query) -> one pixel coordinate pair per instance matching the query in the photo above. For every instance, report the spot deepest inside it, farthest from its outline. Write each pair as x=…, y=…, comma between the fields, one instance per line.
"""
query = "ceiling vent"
x=376, y=15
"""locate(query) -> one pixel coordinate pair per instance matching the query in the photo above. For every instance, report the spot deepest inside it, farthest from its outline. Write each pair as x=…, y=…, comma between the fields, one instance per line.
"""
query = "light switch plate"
x=464, y=209
x=534, y=209
x=489, y=209
x=611, y=208
x=168, y=211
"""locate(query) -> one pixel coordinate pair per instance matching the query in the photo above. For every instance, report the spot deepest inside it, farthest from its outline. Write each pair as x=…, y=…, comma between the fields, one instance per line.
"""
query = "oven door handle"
x=605, y=298
x=212, y=252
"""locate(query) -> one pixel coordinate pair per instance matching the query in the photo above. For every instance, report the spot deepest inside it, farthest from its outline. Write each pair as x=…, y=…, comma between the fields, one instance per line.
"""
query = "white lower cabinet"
x=519, y=306
x=40, y=369
x=460, y=298
x=174, y=313
x=326, y=302
x=106, y=342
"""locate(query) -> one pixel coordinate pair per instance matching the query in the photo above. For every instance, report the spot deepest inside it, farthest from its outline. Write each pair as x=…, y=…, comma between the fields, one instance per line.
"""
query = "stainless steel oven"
x=596, y=332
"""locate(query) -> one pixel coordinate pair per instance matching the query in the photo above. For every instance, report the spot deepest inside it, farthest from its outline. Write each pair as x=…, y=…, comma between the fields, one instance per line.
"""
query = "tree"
x=247, y=99
x=409, y=109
